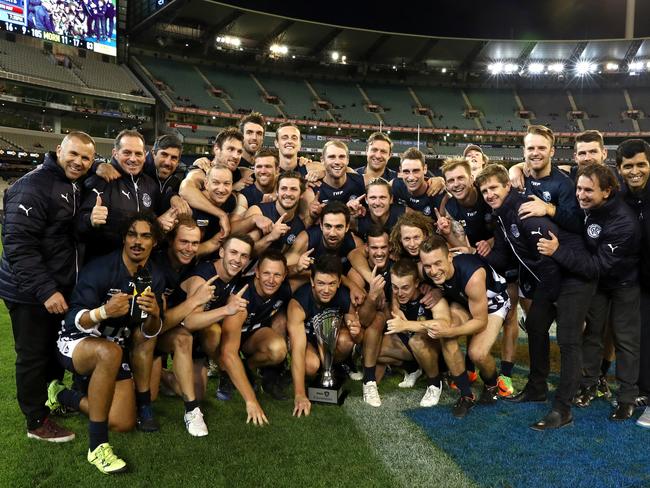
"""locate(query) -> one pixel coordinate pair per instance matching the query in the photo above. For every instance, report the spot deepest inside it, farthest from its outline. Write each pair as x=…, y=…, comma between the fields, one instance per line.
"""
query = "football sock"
x=506, y=368
x=191, y=405
x=97, y=434
x=70, y=398
x=462, y=382
x=411, y=366
x=369, y=374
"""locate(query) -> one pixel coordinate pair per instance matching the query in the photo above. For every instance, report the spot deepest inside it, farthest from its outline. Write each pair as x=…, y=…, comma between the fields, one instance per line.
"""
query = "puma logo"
x=65, y=197
x=538, y=232
x=21, y=206
x=612, y=247
x=99, y=193
x=127, y=194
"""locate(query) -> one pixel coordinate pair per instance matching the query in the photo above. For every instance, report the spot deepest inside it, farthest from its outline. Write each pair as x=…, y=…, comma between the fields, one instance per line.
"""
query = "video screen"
x=87, y=24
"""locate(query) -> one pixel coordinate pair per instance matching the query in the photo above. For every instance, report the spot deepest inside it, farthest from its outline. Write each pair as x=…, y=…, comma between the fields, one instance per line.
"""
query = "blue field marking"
x=494, y=446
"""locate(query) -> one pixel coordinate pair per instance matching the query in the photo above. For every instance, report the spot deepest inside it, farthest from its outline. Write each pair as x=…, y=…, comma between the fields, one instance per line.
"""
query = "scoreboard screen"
x=86, y=24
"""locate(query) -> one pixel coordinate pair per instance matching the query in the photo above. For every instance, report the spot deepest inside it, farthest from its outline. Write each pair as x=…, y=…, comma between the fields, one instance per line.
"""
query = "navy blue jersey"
x=262, y=309
x=422, y=203
x=414, y=310
x=465, y=265
x=222, y=290
x=174, y=294
x=252, y=194
x=316, y=243
x=98, y=281
x=313, y=308
x=364, y=223
x=300, y=169
x=388, y=173
x=208, y=223
x=476, y=220
x=296, y=226
x=353, y=187
x=558, y=189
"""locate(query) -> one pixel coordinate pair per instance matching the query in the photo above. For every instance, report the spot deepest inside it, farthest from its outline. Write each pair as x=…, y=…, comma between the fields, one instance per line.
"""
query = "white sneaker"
x=194, y=423
x=410, y=379
x=371, y=394
x=644, y=419
x=431, y=396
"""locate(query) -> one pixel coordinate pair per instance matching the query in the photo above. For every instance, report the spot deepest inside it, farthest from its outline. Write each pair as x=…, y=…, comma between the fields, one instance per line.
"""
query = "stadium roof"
x=201, y=21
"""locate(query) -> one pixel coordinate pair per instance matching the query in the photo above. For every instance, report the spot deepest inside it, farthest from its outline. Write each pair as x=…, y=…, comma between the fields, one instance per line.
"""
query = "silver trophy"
x=326, y=327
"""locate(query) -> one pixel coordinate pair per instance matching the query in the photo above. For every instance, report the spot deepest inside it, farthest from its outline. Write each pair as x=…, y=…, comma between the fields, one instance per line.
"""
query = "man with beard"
x=107, y=205
x=333, y=236
x=204, y=322
x=252, y=126
x=613, y=237
x=550, y=191
x=381, y=209
x=323, y=292
x=378, y=152
x=40, y=262
x=227, y=149
x=412, y=189
x=110, y=316
x=265, y=168
x=479, y=305
x=161, y=164
x=250, y=332
x=282, y=214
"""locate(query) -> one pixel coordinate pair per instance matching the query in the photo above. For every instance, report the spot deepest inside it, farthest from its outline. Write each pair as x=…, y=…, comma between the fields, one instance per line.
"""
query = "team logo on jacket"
x=427, y=210
x=291, y=238
x=593, y=231
x=514, y=230
x=146, y=200
x=546, y=196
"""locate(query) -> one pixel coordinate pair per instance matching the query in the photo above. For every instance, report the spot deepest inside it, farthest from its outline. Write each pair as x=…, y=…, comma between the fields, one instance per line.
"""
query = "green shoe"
x=505, y=386
x=105, y=460
x=53, y=389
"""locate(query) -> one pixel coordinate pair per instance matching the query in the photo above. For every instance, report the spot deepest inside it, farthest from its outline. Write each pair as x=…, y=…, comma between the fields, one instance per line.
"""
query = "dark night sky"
x=508, y=19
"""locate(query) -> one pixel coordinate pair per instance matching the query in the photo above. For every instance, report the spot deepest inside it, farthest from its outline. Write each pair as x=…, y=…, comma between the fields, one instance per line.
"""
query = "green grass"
x=348, y=446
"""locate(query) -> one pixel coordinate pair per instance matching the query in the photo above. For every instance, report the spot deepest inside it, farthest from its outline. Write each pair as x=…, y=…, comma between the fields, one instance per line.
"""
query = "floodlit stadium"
x=438, y=79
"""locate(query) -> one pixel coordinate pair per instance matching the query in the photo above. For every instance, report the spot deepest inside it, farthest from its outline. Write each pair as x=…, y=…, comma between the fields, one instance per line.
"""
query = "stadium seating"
x=604, y=108
x=243, y=94
x=497, y=107
x=397, y=104
x=447, y=105
x=35, y=141
x=640, y=98
x=348, y=103
x=297, y=101
x=30, y=61
x=104, y=76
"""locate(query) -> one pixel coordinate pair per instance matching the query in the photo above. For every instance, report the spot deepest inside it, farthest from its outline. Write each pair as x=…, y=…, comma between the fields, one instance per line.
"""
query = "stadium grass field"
x=398, y=444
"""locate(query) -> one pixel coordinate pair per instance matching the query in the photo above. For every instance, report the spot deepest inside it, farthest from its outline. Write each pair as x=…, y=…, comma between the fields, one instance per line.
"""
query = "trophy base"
x=331, y=396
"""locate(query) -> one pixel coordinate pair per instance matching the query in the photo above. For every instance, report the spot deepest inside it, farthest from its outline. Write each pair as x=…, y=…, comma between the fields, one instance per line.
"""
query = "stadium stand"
x=35, y=141
x=397, y=104
x=604, y=108
x=297, y=101
x=549, y=108
x=497, y=108
x=447, y=106
x=347, y=101
x=104, y=76
x=243, y=94
x=19, y=58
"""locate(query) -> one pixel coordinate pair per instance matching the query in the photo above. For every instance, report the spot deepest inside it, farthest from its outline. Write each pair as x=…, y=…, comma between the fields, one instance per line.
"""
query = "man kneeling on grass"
x=109, y=316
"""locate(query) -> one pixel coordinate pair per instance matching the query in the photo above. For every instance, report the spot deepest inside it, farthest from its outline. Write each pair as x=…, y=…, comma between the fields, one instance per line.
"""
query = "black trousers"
x=622, y=307
x=569, y=312
x=644, y=358
x=35, y=334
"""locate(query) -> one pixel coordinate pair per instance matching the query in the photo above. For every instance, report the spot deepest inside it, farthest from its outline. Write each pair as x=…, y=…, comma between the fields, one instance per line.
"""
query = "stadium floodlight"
x=335, y=56
x=635, y=66
x=556, y=67
x=611, y=67
x=279, y=49
x=584, y=67
x=444, y=70
x=535, y=68
x=496, y=68
x=230, y=41
x=344, y=59
x=510, y=68
x=647, y=65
